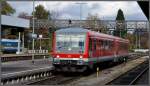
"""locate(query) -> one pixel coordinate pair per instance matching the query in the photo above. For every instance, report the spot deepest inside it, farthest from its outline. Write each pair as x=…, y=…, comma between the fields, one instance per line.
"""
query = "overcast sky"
x=106, y=10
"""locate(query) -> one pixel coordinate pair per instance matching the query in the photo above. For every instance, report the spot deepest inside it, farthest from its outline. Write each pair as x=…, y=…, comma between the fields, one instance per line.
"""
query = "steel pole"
x=23, y=42
x=80, y=15
x=149, y=35
x=139, y=38
x=33, y=51
x=18, y=49
x=40, y=44
x=80, y=11
x=136, y=35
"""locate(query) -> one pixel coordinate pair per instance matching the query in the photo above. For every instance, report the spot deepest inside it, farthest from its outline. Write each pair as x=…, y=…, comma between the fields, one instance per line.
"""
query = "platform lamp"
x=80, y=3
x=69, y=22
x=40, y=37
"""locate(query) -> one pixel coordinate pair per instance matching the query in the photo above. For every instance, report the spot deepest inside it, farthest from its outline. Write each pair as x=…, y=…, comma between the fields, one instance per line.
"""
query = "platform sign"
x=40, y=36
x=38, y=51
x=32, y=36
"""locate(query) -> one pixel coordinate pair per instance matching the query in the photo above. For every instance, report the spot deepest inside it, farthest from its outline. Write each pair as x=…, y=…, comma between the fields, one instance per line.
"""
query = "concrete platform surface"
x=16, y=55
x=109, y=74
x=19, y=67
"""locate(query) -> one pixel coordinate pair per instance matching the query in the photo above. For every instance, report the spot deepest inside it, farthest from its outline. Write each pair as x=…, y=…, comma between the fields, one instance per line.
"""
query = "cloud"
x=70, y=9
x=22, y=6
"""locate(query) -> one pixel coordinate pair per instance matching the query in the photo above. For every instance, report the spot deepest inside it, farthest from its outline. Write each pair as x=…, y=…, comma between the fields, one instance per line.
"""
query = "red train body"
x=77, y=49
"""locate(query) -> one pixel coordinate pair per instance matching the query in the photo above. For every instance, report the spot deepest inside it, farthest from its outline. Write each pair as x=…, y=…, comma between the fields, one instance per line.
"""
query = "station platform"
x=16, y=55
x=10, y=69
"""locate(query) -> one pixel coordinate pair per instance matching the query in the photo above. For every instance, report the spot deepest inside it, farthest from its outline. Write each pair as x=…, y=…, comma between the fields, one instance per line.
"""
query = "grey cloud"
x=72, y=9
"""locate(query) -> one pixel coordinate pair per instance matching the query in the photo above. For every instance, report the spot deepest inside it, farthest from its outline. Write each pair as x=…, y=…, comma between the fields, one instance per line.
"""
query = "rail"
x=130, y=77
x=138, y=76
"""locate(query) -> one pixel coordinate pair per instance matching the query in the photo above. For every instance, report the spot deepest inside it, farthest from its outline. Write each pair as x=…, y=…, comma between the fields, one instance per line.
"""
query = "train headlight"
x=81, y=57
x=57, y=56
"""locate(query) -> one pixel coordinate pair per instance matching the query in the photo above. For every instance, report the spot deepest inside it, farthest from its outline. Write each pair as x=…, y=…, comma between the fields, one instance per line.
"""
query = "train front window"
x=70, y=43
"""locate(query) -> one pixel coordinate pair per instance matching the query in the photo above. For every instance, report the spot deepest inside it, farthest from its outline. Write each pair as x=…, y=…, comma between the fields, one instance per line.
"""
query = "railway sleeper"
x=25, y=79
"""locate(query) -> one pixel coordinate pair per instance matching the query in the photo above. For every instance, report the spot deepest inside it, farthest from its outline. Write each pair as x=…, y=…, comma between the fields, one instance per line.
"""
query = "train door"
x=92, y=47
x=116, y=46
x=94, y=53
x=100, y=48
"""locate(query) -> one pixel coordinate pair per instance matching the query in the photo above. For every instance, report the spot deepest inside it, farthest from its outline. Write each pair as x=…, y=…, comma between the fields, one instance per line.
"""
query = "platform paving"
x=18, y=67
x=109, y=74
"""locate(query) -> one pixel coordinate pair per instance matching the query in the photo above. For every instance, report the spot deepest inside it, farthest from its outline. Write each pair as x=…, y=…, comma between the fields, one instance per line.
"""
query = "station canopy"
x=14, y=21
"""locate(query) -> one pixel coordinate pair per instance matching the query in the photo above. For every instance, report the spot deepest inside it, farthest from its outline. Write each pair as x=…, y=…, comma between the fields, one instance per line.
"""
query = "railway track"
x=66, y=78
x=46, y=78
x=55, y=80
x=132, y=76
x=22, y=77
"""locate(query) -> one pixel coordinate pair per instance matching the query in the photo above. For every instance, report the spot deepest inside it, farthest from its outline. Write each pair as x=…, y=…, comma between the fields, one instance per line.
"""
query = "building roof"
x=14, y=21
x=145, y=7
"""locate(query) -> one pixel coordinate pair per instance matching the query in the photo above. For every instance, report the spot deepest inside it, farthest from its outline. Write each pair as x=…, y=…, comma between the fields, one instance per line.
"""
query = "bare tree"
x=23, y=15
x=95, y=23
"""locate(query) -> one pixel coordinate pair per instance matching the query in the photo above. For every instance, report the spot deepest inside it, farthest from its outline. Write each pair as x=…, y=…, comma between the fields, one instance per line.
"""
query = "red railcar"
x=77, y=49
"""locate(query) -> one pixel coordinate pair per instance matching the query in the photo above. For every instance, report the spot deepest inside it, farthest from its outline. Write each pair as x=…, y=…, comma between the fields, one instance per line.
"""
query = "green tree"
x=6, y=8
x=41, y=12
x=120, y=15
x=120, y=25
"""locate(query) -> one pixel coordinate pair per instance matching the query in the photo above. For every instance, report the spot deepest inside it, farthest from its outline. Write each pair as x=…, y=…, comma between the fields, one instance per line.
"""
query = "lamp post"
x=33, y=33
x=18, y=49
x=40, y=37
x=80, y=3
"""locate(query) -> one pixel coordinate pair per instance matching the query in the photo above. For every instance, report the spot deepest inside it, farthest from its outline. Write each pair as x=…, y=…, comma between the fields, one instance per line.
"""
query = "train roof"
x=93, y=33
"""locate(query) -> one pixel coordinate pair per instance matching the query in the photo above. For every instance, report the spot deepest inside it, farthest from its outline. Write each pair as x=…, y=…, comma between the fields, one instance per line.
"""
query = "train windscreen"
x=70, y=43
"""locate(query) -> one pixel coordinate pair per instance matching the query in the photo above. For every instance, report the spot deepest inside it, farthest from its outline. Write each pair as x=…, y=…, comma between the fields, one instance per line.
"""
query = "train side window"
x=90, y=44
x=99, y=43
x=111, y=44
x=105, y=44
x=102, y=44
x=94, y=44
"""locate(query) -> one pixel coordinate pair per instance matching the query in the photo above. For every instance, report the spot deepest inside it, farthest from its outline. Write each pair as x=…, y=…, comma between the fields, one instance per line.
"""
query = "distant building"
x=12, y=25
x=27, y=17
x=13, y=28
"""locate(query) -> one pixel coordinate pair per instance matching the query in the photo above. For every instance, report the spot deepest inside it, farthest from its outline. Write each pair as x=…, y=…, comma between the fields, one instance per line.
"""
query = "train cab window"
x=81, y=43
x=70, y=43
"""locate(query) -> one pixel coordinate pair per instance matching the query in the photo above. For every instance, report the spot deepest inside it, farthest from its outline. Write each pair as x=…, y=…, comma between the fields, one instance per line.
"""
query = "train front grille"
x=68, y=62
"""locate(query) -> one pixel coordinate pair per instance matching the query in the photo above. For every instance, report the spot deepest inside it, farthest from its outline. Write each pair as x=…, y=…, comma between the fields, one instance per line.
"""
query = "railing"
x=108, y=24
x=38, y=52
